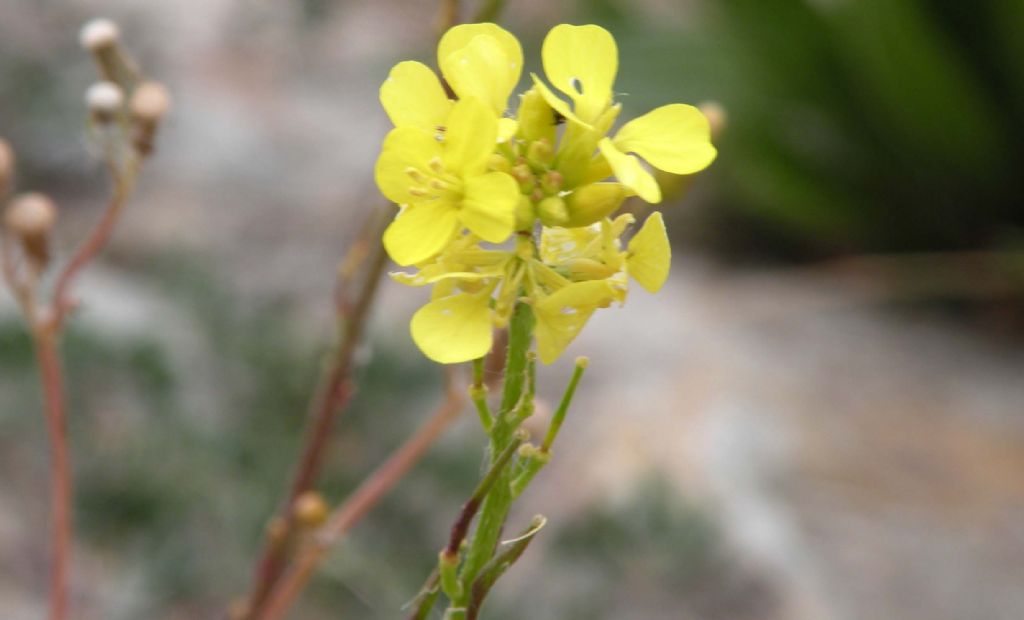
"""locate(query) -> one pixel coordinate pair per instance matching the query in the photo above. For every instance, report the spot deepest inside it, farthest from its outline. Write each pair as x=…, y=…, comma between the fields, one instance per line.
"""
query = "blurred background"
x=820, y=417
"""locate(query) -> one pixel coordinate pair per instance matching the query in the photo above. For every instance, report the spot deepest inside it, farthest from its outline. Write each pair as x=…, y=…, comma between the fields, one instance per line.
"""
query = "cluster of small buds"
x=148, y=103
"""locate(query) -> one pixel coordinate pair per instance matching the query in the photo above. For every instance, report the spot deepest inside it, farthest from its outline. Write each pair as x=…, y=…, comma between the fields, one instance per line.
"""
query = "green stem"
x=496, y=505
x=489, y=11
x=563, y=407
x=478, y=394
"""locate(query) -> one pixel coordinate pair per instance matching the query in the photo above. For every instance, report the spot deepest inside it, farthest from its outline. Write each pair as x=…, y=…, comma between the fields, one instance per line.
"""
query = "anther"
x=436, y=165
x=419, y=192
x=416, y=175
x=438, y=184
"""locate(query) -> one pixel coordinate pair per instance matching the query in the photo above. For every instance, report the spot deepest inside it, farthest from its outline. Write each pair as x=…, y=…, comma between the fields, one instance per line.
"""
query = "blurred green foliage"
x=854, y=125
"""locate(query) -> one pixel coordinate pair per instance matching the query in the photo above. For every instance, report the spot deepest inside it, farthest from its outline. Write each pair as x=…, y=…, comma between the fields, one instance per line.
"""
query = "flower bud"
x=104, y=100
x=499, y=163
x=101, y=38
x=99, y=33
x=6, y=167
x=523, y=174
x=717, y=117
x=30, y=218
x=536, y=118
x=150, y=102
x=540, y=153
x=310, y=509
x=551, y=181
x=594, y=202
x=553, y=211
x=525, y=214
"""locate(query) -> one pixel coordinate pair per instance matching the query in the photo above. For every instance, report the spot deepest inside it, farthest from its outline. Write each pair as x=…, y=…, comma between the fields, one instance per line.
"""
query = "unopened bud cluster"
x=120, y=96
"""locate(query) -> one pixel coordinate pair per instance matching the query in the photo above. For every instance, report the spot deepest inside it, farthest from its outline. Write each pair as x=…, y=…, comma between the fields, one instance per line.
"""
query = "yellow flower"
x=466, y=176
x=581, y=62
x=444, y=185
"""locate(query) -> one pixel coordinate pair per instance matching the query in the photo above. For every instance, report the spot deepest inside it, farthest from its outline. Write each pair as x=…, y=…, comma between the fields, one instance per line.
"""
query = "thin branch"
x=489, y=11
x=364, y=498
x=97, y=240
x=469, y=509
x=60, y=468
x=331, y=397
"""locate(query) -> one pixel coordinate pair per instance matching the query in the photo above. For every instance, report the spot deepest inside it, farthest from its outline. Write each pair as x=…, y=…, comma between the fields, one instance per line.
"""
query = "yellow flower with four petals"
x=465, y=175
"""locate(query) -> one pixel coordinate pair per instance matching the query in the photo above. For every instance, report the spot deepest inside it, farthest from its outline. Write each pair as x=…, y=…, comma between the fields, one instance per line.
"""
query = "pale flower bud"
x=30, y=218
x=104, y=100
x=310, y=509
x=150, y=102
x=98, y=34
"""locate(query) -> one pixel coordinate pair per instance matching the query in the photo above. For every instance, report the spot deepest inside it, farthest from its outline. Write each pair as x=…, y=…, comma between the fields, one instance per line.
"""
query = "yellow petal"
x=536, y=117
x=482, y=69
x=420, y=231
x=404, y=148
x=581, y=61
x=507, y=127
x=489, y=206
x=675, y=138
x=471, y=137
x=454, y=329
x=460, y=36
x=413, y=97
x=561, y=315
x=630, y=172
x=594, y=202
x=649, y=254
x=552, y=100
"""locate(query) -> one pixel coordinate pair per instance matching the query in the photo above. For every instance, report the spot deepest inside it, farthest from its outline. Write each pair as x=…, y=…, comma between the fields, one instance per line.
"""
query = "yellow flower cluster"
x=468, y=173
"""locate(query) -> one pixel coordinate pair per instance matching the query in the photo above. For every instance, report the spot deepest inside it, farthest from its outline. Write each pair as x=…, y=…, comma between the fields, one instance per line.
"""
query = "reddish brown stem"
x=365, y=497
x=97, y=240
x=60, y=469
x=330, y=401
